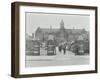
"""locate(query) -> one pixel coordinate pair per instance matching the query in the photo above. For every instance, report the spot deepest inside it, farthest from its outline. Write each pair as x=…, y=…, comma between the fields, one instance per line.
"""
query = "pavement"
x=57, y=60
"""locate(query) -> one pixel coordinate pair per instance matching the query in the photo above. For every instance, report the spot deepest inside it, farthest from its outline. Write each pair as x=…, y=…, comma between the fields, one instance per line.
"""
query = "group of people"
x=62, y=47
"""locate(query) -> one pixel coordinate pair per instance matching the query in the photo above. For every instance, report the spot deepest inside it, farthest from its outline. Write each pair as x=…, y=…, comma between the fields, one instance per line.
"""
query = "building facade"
x=61, y=34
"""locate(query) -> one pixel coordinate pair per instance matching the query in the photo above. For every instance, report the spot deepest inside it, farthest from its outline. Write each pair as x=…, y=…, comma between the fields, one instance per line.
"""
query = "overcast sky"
x=44, y=20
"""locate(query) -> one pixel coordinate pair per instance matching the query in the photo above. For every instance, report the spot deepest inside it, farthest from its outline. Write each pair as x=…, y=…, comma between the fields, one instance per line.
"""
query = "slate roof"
x=48, y=30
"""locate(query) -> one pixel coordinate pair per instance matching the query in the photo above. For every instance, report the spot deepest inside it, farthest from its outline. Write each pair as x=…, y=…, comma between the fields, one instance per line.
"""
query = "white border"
x=36, y=70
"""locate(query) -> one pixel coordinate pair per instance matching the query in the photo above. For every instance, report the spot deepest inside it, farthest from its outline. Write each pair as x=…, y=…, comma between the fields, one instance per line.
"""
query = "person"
x=60, y=48
x=64, y=48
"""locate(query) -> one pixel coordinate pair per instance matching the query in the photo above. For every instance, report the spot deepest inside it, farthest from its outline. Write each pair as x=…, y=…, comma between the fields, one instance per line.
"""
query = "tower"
x=62, y=31
x=62, y=25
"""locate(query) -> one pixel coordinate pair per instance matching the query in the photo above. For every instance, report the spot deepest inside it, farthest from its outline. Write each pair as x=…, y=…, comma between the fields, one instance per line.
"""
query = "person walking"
x=64, y=48
x=59, y=47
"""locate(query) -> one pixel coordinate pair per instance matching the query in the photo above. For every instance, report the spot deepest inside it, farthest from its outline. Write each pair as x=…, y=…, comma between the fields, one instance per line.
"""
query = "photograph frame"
x=15, y=39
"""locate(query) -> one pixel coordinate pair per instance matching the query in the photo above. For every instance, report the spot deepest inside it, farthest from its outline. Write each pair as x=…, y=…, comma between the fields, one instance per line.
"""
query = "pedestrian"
x=64, y=48
x=60, y=48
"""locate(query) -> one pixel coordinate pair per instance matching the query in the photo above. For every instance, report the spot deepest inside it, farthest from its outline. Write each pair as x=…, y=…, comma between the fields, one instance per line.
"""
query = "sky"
x=45, y=20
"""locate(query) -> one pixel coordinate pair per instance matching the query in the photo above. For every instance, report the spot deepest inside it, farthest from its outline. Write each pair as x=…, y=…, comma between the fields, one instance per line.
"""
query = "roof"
x=48, y=30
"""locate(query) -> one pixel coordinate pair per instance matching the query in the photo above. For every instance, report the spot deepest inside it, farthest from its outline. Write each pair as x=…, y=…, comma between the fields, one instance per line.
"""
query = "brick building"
x=61, y=34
